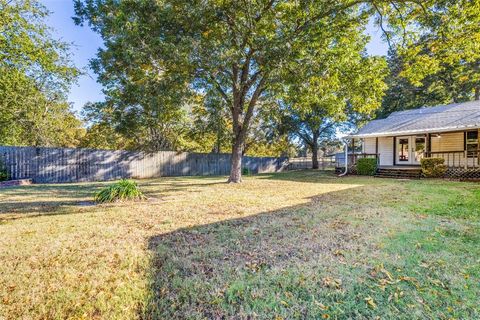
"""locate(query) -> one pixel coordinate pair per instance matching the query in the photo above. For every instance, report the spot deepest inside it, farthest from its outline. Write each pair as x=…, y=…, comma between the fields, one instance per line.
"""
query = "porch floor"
x=401, y=167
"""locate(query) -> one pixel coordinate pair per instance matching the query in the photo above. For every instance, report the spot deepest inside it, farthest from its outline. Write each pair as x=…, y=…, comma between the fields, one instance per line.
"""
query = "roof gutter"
x=410, y=132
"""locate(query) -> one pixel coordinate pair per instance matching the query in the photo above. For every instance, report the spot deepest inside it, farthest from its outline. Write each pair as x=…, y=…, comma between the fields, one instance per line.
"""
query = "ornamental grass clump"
x=123, y=190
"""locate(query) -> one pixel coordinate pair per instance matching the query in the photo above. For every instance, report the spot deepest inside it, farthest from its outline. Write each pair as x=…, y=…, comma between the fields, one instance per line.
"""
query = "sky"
x=85, y=45
x=86, y=42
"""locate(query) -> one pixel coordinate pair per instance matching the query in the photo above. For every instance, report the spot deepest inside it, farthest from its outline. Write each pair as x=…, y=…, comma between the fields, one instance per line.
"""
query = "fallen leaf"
x=371, y=303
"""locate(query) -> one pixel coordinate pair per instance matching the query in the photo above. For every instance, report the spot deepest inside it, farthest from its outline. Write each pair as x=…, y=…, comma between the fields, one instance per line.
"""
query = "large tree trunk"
x=314, y=146
x=315, y=155
x=236, y=164
x=241, y=116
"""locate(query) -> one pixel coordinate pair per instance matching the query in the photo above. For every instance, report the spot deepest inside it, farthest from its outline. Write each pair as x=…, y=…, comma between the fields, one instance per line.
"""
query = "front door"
x=410, y=150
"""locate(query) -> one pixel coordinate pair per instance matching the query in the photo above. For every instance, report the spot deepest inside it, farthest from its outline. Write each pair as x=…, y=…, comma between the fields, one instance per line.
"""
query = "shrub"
x=433, y=167
x=246, y=172
x=366, y=166
x=3, y=172
x=120, y=191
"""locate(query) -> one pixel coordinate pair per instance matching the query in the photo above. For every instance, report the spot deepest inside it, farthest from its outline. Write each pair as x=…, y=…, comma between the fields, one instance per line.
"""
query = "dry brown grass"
x=180, y=253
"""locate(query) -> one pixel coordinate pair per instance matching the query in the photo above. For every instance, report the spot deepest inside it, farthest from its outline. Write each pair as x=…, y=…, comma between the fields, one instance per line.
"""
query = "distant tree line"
x=258, y=77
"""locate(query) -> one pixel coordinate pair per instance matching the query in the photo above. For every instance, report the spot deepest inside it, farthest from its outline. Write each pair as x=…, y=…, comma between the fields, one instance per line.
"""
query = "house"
x=402, y=139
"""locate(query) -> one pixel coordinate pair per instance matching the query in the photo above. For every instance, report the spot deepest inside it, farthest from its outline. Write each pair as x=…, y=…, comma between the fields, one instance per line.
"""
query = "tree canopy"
x=339, y=86
x=160, y=56
x=35, y=76
x=156, y=53
x=434, y=56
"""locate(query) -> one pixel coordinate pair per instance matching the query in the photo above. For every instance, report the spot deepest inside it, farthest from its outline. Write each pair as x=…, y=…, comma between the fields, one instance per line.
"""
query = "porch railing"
x=352, y=158
x=458, y=159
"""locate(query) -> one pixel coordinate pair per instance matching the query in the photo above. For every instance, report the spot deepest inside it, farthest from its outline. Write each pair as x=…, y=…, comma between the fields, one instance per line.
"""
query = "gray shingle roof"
x=443, y=118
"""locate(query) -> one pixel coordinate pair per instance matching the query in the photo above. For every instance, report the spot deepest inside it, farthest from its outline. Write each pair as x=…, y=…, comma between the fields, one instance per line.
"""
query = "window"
x=471, y=143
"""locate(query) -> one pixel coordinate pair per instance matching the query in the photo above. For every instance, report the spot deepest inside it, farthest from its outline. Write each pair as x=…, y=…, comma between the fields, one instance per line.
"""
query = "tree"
x=435, y=54
x=403, y=95
x=149, y=126
x=103, y=136
x=210, y=128
x=237, y=48
x=265, y=137
x=338, y=85
x=35, y=75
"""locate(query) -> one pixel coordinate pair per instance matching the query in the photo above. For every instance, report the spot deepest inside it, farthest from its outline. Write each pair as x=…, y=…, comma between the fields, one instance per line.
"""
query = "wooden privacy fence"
x=306, y=163
x=52, y=165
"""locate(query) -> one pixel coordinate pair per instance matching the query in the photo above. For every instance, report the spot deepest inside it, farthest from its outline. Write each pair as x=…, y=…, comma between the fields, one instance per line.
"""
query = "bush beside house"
x=433, y=167
x=366, y=166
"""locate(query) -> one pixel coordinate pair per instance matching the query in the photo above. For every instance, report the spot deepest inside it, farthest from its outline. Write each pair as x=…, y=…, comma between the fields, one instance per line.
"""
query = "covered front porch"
x=459, y=149
x=404, y=138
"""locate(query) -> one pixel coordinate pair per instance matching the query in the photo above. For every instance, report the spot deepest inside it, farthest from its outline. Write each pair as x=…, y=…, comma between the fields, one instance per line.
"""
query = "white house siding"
x=369, y=145
x=385, y=149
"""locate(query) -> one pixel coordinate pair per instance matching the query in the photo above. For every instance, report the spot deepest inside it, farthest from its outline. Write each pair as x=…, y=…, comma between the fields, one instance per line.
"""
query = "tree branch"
x=220, y=90
x=251, y=105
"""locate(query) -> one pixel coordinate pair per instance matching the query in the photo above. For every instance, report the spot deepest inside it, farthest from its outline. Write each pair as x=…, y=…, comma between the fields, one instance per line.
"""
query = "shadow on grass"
x=42, y=200
x=241, y=268
x=306, y=175
x=20, y=210
x=312, y=261
x=57, y=190
x=171, y=187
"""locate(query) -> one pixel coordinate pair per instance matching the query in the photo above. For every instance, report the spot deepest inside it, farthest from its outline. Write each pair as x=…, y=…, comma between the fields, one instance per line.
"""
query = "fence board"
x=55, y=165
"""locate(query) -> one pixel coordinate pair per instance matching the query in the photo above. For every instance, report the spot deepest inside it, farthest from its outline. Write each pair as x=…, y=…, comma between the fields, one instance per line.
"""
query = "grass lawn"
x=292, y=245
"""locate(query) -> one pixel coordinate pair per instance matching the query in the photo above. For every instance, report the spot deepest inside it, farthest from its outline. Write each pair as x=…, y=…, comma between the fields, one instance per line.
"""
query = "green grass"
x=291, y=245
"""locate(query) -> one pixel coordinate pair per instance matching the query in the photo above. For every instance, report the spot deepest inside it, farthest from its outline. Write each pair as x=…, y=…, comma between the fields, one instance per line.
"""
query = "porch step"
x=398, y=173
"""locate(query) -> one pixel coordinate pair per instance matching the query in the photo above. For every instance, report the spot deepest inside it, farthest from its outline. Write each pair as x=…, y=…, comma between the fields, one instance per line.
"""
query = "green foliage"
x=210, y=130
x=438, y=54
x=403, y=95
x=366, y=166
x=246, y=171
x=349, y=89
x=157, y=52
x=157, y=55
x=3, y=171
x=35, y=75
x=433, y=167
x=103, y=136
x=122, y=190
